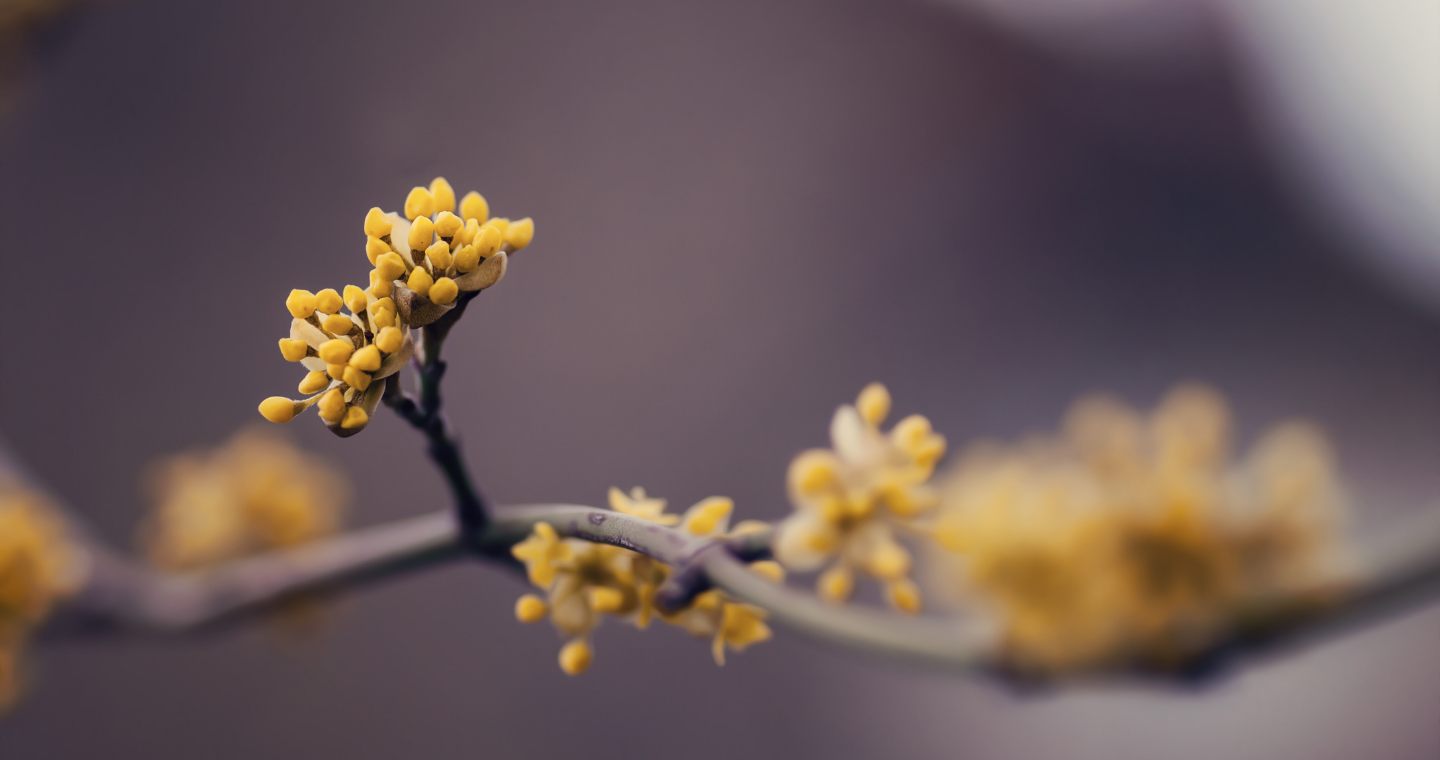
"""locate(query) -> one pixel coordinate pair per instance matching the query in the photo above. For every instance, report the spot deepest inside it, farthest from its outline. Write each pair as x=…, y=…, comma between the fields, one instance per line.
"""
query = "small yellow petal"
x=354, y=417
x=338, y=324
x=770, y=569
x=604, y=599
x=889, y=561
x=314, y=382
x=473, y=206
x=332, y=405
x=444, y=291
x=366, y=359
x=500, y=223
x=873, y=403
x=703, y=518
x=420, y=281
x=379, y=287
x=421, y=233
x=383, y=304
x=355, y=379
x=389, y=339
x=355, y=298
x=374, y=247
x=336, y=351
x=836, y=584
x=467, y=233
x=390, y=266
x=377, y=224
x=419, y=203
x=447, y=224
x=520, y=233
x=903, y=595
x=383, y=318
x=575, y=657
x=301, y=303
x=328, y=301
x=442, y=194
x=531, y=609
x=489, y=240
x=467, y=258
x=278, y=409
x=293, y=350
x=439, y=255
x=336, y=371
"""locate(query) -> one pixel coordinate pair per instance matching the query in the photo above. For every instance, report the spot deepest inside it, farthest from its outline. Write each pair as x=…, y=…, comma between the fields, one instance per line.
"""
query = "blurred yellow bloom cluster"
x=424, y=260
x=255, y=493
x=1129, y=541
x=38, y=566
x=585, y=581
x=852, y=499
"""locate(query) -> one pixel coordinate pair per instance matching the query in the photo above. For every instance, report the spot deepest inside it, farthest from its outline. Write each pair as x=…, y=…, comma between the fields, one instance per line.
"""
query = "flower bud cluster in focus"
x=1128, y=541
x=586, y=581
x=855, y=499
x=255, y=493
x=427, y=261
x=38, y=566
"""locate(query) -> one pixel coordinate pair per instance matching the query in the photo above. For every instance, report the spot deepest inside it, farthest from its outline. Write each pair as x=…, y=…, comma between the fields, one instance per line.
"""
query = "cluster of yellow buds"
x=255, y=493
x=38, y=566
x=1128, y=540
x=424, y=261
x=585, y=581
x=853, y=499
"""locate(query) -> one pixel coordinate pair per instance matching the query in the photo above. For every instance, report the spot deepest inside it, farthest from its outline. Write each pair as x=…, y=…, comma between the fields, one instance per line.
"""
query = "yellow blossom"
x=1134, y=540
x=852, y=499
x=38, y=566
x=256, y=492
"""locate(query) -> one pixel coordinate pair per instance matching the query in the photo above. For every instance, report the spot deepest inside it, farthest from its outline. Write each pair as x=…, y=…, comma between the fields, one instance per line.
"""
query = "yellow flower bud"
x=439, y=255
x=332, y=405
x=467, y=233
x=443, y=291
x=420, y=281
x=336, y=371
x=873, y=403
x=447, y=224
x=604, y=599
x=374, y=247
x=889, y=561
x=379, y=287
x=500, y=223
x=355, y=378
x=389, y=339
x=366, y=359
x=903, y=595
x=443, y=194
x=473, y=206
x=277, y=409
x=771, y=570
x=355, y=298
x=836, y=584
x=467, y=258
x=377, y=224
x=575, y=657
x=328, y=301
x=338, y=324
x=314, y=382
x=531, y=609
x=390, y=266
x=382, y=305
x=489, y=240
x=520, y=233
x=293, y=350
x=301, y=303
x=354, y=417
x=336, y=351
x=421, y=233
x=419, y=203
x=383, y=318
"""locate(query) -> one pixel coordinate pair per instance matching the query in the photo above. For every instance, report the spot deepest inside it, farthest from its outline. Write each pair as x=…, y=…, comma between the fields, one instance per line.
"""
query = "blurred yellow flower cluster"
x=585, y=581
x=38, y=566
x=256, y=492
x=852, y=499
x=1128, y=540
x=424, y=260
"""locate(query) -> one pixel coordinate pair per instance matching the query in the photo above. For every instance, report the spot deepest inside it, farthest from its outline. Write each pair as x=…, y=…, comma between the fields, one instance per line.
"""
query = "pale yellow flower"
x=851, y=500
x=257, y=492
x=1127, y=540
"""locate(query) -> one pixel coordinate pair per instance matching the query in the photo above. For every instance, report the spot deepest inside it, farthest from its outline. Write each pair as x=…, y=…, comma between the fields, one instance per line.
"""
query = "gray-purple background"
x=745, y=211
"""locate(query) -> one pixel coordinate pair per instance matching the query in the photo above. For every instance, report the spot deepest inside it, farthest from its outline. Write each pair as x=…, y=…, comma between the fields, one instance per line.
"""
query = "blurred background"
x=745, y=212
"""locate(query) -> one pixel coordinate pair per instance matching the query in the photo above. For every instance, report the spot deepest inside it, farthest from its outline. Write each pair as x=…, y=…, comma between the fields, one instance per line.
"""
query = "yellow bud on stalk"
x=421, y=233
x=443, y=291
x=489, y=240
x=419, y=203
x=390, y=266
x=355, y=378
x=439, y=255
x=278, y=409
x=374, y=247
x=466, y=259
x=366, y=359
x=447, y=224
x=377, y=224
x=336, y=351
x=420, y=282
x=354, y=417
x=389, y=339
x=531, y=609
x=314, y=382
x=328, y=301
x=338, y=324
x=442, y=194
x=378, y=286
x=301, y=303
x=355, y=298
x=332, y=405
x=575, y=657
x=473, y=206
x=293, y=350
x=520, y=233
